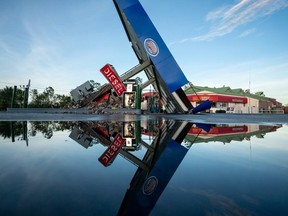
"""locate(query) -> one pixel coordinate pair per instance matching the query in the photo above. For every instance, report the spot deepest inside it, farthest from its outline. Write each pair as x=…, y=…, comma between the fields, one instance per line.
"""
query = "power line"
x=7, y=83
x=32, y=87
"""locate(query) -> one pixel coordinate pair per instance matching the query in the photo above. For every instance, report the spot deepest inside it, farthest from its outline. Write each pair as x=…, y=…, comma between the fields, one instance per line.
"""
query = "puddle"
x=143, y=167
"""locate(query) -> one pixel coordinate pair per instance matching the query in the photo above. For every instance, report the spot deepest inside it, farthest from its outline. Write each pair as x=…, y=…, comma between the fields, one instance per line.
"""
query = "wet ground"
x=205, y=118
x=123, y=164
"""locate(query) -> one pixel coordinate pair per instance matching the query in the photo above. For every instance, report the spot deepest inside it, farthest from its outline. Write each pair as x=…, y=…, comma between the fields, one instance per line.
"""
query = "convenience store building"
x=227, y=100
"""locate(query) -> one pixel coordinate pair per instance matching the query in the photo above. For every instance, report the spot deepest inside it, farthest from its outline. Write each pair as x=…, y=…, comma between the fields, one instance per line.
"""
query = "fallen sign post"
x=111, y=152
x=111, y=75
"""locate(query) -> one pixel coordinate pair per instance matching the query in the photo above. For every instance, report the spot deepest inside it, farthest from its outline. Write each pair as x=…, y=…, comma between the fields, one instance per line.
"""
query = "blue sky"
x=216, y=42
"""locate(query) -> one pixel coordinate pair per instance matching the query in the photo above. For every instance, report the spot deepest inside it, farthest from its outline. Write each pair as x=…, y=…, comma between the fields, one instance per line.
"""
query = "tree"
x=95, y=85
x=5, y=129
x=62, y=101
x=139, y=80
x=42, y=100
x=48, y=99
x=6, y=98
x=46, y=128
x=33, y=94
x=260, y=93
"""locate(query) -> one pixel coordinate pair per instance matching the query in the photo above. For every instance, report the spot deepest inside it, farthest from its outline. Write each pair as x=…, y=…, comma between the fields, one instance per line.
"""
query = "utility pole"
x=26, y=95
x=13, y=96
x=12, y=106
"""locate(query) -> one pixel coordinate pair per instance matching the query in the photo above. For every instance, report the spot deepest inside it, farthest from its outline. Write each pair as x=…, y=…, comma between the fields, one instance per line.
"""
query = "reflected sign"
x=111, y=152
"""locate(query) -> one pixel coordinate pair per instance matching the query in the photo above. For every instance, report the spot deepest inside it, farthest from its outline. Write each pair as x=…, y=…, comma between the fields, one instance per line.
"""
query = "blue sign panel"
x=146, y=196
x=151, y=41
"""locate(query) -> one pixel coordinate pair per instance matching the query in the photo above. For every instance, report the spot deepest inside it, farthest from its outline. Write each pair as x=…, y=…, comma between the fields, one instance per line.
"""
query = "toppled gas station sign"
x=111, y=75
x=155, y=60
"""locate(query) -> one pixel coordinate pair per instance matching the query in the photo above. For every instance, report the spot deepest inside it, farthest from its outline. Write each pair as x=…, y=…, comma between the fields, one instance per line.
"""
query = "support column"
x=138, y=99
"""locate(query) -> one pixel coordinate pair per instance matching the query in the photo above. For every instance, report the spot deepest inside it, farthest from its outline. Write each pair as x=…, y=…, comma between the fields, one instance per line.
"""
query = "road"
x=198, y=118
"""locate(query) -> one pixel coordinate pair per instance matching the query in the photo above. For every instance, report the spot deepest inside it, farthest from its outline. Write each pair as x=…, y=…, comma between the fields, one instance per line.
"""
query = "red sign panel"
x=217, y=98
x=113, y=78
x=111, y=152
x=220, y=130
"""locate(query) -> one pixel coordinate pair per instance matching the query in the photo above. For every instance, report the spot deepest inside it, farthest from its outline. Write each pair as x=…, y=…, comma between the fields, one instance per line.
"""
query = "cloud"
x=268, y=75
x=218, y=204
x=227, y=19
x=247, y=32
x=4, y=47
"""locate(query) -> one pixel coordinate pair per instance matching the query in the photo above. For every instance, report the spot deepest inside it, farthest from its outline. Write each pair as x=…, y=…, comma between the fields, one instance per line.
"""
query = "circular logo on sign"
x=151, y=47
x=150, y=185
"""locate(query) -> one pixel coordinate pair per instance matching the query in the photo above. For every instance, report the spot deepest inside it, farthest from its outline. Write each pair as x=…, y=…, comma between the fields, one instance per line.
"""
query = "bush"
x=220, y=111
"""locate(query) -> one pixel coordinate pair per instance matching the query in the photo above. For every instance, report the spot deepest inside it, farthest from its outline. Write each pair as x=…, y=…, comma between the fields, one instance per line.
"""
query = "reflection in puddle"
x=156, y=149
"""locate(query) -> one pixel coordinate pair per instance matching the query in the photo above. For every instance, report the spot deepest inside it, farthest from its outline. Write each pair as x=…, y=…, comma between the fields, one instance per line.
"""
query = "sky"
x=62, y=44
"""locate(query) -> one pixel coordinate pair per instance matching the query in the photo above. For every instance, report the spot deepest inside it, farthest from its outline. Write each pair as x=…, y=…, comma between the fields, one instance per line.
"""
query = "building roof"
x=228, y=137
x=227, y=91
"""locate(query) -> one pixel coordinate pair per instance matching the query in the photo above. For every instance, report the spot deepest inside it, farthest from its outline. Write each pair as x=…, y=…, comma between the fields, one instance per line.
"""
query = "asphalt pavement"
x=197, y=118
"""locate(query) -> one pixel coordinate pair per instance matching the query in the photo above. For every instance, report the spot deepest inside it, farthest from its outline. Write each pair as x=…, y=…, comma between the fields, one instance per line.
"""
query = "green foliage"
x=139, y=80
x=48, y=99
x=46, y=128
x=95, y=85
x=260, y=94
x=5, y=129
x=6, y=98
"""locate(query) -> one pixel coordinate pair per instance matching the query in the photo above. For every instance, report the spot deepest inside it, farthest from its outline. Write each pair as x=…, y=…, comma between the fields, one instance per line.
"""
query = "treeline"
x=46, y=99
x=17, y=128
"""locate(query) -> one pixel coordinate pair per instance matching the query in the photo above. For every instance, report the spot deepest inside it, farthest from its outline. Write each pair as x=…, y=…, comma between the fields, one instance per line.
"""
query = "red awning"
x=217, y=98
x=220, y=130
x=149, y=94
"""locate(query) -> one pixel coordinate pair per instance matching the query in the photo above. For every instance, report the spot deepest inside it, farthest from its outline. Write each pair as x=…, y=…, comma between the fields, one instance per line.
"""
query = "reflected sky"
x=164, y=167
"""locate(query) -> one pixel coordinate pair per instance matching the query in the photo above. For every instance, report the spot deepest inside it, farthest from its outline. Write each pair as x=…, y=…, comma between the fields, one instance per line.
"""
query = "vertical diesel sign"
x=111, y=75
